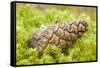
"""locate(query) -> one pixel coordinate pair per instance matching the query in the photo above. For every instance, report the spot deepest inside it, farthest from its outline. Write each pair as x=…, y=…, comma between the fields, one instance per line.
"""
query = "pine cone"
x=61, y=35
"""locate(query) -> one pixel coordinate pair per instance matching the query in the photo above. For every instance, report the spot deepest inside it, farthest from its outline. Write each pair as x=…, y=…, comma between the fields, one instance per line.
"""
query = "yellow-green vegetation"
x=32, y=17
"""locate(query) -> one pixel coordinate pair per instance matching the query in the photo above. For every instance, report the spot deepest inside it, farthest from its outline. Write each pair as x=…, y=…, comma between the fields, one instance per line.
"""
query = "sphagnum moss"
x=29, y=19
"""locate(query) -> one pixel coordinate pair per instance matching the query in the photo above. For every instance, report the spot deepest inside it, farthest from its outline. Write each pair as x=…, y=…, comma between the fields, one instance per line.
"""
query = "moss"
x=29, y=19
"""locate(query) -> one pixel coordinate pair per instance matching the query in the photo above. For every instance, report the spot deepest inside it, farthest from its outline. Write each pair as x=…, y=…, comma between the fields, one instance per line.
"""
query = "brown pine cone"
x=61, y=35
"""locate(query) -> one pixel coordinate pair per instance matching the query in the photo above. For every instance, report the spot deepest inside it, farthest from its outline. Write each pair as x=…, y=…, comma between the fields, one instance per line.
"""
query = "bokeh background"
x=31, y=17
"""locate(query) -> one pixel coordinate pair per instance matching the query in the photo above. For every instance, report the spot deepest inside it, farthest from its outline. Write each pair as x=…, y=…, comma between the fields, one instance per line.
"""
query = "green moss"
x=29, y=19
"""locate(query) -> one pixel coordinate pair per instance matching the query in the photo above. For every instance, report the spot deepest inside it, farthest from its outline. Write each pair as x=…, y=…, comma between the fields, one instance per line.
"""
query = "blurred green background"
x=30, y=17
